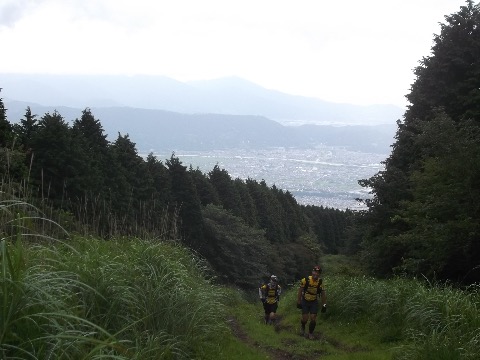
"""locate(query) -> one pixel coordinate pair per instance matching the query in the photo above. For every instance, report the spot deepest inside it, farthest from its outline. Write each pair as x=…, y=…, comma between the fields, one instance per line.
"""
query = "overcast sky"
x=353, y=51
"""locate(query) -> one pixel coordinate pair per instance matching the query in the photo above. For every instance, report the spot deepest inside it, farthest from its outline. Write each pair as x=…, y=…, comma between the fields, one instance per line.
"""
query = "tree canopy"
x=424, y=215
x=244, y=228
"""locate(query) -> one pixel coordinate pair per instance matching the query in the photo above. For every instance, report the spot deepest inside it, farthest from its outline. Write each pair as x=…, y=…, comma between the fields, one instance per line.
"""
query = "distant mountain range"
x=159, y=130
x=161, y=114
x=232, y=96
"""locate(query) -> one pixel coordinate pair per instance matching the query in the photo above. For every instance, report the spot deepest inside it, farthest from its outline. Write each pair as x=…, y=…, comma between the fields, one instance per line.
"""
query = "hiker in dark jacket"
x=311, y=288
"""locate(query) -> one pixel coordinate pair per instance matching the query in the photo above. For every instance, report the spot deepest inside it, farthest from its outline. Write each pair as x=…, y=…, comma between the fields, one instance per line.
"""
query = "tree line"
x=424, y=217
x=244, y=228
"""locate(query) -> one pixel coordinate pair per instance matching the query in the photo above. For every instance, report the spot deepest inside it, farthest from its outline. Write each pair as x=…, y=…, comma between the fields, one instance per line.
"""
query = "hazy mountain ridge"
x=221, y=96
x=160, y=130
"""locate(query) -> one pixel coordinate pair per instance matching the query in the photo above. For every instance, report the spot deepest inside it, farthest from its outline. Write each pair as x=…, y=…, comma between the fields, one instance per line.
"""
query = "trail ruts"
x=277, y=354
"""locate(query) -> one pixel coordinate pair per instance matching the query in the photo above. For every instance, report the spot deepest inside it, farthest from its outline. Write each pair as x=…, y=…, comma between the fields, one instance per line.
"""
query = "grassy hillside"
x=369, y=319
x=124, y=299
x=129, y=298
x=136, y=299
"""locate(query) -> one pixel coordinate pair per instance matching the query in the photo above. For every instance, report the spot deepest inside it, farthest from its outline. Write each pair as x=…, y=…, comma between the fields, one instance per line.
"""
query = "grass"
x=128, y=298
x=414, y=318
x=334, y=340
x=376, y=319
x=116, y=299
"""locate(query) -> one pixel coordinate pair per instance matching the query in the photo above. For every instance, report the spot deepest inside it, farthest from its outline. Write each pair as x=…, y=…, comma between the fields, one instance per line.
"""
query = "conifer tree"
x=240, y=254
x=269, y=211
x=227, y=192
x=250, y=211
x=128, y=182
x=185, y=200
x=12, y=161
x=55, y=158
x=159, y=175
x=26, y=128
x=6, y=129
x=447, y=85
x=89, y=136
x=205, y=190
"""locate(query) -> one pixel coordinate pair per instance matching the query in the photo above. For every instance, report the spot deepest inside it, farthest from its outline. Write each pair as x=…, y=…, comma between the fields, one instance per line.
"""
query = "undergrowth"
x=368, y=318
x=93, y=299
x=86, y=298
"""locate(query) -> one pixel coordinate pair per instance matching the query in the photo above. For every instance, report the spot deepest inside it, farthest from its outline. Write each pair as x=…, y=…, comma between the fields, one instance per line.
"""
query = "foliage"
x=246, y=253
x=184, y=197
x=120, y=299
x=334, y=340
x=416, y=317
x=6, y=129
x=116, y=299
x=330, y=227
x=11, y=160
x=423, y=217
x=443, y=217
x=78, y=178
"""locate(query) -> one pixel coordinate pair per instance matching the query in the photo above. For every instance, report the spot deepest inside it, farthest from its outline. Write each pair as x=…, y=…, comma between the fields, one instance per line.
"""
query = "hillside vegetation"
x=424, y=216
x=92, y=299
x=368, y=318
x=149, y=299
x=92, y=186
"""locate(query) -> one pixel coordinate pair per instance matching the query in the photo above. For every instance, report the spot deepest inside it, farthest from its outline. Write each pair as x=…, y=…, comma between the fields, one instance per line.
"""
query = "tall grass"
x=430, y=321
x=161, y=291
x=85, y=298
x=125, y=299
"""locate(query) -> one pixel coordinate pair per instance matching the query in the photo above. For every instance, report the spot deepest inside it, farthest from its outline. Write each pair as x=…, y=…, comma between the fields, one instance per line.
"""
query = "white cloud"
x=13, y=10
x=350, y=51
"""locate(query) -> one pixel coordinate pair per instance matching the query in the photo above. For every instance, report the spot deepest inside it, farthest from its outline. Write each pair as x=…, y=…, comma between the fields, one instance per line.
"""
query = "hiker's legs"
x=267, y=312
x=313, y=323
x=272, y=317
x=309, y=310
x=313, y=318
x=306, y=310
x=273, y=311
x=270, y=310
x=303, y=322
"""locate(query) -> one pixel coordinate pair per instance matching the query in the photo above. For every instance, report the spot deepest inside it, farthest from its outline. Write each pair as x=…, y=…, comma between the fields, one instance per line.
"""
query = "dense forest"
x=423, y=218
x=245, y=229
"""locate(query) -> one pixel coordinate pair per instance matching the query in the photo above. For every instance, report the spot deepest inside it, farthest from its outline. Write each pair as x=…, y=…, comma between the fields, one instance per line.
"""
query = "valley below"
x=322, y=176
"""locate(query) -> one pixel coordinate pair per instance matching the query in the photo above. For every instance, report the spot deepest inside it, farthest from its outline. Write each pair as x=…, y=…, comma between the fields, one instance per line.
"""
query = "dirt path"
x=277, y=354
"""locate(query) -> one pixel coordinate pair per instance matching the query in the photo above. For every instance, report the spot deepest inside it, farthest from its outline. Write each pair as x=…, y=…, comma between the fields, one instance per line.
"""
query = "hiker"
x=311, y=288
x=270, y=296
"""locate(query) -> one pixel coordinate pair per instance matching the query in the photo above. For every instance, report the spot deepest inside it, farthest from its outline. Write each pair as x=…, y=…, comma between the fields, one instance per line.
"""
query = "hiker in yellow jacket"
x=311, y=288
x=270, y=296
